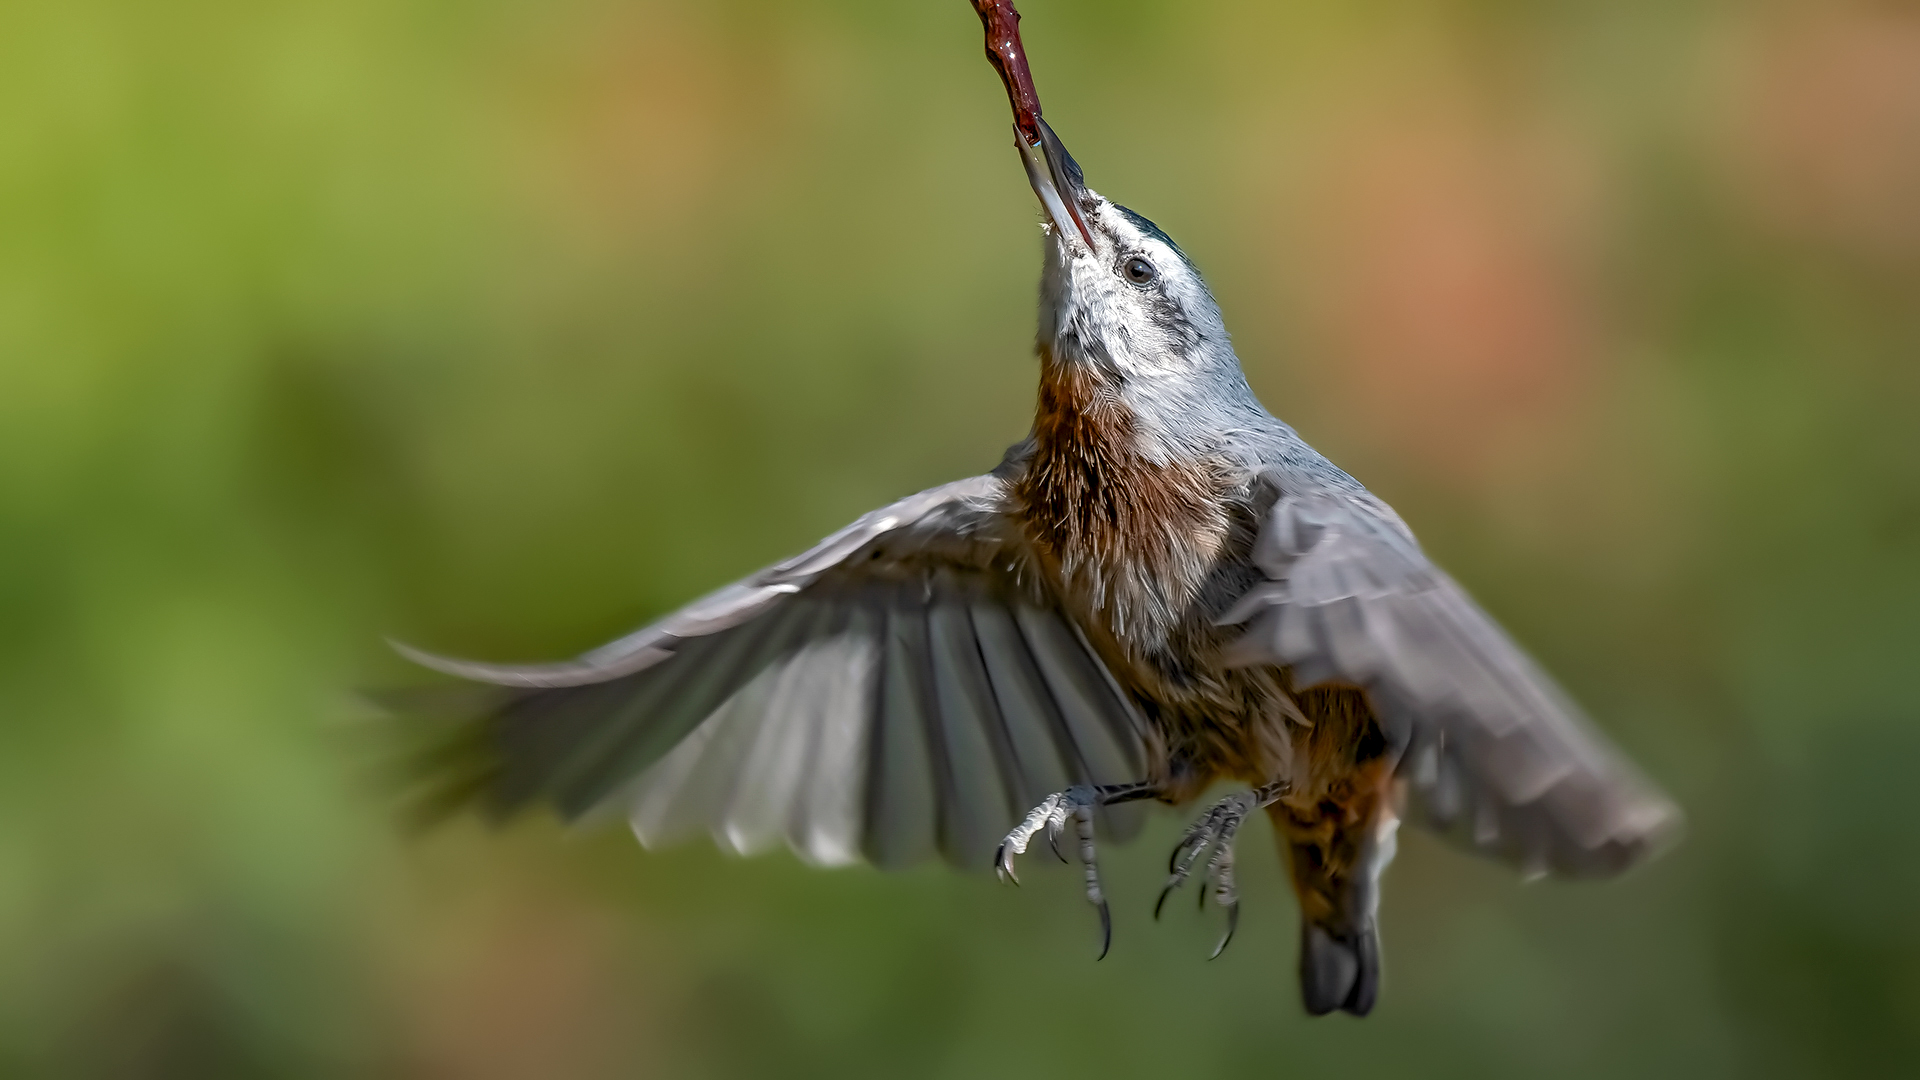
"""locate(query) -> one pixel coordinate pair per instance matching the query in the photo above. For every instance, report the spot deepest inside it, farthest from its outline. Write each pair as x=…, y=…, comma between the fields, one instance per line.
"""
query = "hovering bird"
x=1161, y=587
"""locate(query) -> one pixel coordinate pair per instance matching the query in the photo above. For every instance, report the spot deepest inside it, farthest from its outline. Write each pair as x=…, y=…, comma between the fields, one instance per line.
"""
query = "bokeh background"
x=503, y=326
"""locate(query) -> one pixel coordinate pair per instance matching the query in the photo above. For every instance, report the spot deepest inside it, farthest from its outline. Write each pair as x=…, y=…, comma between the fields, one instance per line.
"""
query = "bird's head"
x=1120, y=302
x=1122, y=309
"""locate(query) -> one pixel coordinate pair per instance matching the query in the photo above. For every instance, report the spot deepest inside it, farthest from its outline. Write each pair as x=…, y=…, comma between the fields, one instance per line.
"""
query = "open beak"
x=1050, y=169
x=1056, y=178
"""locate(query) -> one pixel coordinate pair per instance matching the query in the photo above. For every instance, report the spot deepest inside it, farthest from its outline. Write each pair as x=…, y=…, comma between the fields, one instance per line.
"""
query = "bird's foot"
x=1214, y=831
x=1075, y=803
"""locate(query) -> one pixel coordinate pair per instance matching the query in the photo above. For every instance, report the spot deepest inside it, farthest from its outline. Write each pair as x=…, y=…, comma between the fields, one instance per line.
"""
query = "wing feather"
x=826, y=820
x=784, y=737
x=903, y=804
x=977, y=808
x=717, y=749
x=1105, y=730
x=893, y=692
x=1494, y=750
x=689, y=691
x=1033, y=728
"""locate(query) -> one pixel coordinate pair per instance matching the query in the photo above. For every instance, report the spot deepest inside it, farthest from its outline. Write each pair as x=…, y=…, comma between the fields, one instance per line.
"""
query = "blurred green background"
x=503, y=326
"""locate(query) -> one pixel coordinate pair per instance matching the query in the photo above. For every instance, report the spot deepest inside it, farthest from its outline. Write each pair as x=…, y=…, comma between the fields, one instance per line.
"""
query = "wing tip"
x=1646, y=828
x=1656, y=826
x=530, y=676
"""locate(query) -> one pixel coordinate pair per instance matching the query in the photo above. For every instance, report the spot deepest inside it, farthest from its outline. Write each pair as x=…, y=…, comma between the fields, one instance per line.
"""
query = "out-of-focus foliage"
x=504, y=326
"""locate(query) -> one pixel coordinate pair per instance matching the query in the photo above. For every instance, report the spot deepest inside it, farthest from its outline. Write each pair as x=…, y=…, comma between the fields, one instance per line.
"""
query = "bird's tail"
x=1336, y=863
x=1339, y=968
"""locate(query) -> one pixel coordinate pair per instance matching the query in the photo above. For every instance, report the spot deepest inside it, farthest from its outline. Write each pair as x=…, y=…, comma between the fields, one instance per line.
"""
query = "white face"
x=1133, y=305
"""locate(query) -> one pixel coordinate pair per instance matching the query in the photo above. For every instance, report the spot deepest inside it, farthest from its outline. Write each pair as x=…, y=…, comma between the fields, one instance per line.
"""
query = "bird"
x=1159, y=589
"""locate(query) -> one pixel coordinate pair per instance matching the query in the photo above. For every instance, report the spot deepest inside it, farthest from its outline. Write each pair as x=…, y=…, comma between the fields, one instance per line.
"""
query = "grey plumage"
x=895, y=679
x=972, y=689
x=1162, y=586
x=1497, y=754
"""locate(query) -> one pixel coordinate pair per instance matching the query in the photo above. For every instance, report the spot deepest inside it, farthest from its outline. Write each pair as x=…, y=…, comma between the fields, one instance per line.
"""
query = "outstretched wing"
x=1495, y=752
x=889, y=693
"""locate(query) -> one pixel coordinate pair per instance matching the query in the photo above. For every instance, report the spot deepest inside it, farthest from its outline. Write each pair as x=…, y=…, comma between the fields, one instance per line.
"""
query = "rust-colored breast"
x=1147, y=553
x=1130, y=536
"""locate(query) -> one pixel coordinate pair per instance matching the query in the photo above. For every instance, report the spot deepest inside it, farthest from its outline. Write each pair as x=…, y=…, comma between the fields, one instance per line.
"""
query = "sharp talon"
x=1233, y=923
x=1076, y=804
x=1186, y=850
x=1212, y=836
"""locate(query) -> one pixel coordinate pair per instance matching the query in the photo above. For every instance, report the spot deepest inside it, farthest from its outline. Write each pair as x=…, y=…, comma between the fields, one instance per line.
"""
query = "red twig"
x=1009, y=58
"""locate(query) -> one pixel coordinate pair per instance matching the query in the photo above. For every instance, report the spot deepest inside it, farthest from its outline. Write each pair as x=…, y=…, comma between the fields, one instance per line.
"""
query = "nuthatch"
x=1159, y=588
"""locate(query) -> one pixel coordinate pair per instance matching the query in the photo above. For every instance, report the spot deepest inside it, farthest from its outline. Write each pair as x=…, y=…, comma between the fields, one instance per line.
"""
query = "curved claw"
x=1187, y=852
x=1003, y=866
x=1162, y=902
x=1076, y=804
x=1215, y=831
x=1233, y=923
x=1048, y=815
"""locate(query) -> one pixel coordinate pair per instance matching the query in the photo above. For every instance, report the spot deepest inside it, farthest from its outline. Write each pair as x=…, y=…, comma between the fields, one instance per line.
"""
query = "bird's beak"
x=1050, y=169
x=1056, y=178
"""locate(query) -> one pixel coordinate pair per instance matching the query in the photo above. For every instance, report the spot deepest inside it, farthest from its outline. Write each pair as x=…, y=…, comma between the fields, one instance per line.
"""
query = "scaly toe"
x=1075, y=804
x=1233, y=923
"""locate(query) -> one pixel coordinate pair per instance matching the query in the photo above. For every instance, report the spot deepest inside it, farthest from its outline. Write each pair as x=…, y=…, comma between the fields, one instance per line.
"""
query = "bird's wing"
x=890, y=693
x=1495, y=753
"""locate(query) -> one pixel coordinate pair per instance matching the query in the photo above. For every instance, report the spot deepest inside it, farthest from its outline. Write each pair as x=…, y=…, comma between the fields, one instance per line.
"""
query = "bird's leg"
x=1215, y=830
x=1076, y=803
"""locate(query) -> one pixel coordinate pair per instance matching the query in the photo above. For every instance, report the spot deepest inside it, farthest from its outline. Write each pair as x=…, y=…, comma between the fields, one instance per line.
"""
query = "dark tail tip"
x=1339, y=971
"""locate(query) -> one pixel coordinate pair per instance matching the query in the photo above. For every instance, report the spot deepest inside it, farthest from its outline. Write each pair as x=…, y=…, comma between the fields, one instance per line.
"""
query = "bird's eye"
x=1138, y=270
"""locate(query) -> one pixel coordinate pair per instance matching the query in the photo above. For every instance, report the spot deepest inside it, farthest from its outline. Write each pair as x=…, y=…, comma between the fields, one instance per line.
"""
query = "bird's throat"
x=1129, y=535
